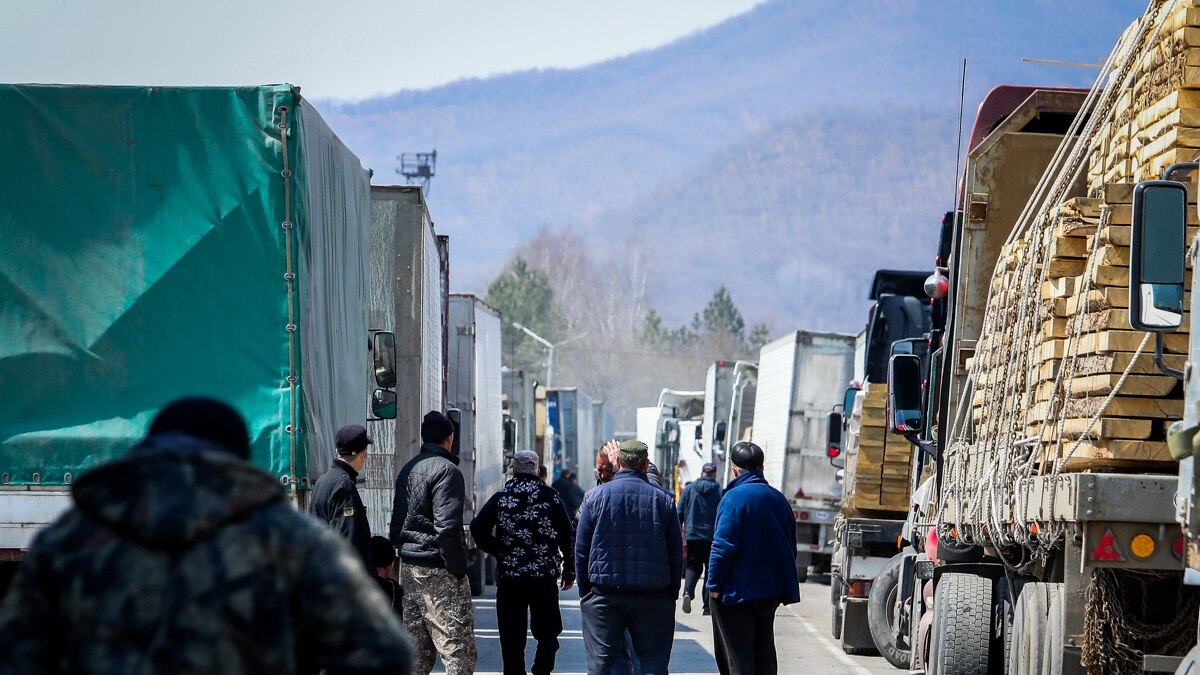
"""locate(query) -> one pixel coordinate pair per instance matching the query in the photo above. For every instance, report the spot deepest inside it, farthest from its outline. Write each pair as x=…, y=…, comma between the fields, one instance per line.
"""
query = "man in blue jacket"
x=752, y=569
x=629, y=556
x=698, y=514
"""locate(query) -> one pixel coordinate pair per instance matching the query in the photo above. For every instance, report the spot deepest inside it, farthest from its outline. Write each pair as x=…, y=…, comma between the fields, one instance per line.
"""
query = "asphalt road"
x=801, y=637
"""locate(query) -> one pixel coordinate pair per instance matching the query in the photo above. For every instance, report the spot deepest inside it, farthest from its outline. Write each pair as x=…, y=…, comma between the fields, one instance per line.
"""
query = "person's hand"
x=714, y=595
x=567, y=584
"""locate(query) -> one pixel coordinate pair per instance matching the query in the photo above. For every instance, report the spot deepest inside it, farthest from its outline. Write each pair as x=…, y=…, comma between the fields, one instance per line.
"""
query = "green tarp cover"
x=142, y=258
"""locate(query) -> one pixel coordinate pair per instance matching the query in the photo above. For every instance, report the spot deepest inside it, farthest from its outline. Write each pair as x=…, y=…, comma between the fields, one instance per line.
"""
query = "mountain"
x=787, y=152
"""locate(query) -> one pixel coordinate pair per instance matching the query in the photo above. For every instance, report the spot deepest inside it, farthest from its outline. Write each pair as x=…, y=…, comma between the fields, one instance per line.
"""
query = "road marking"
x=834, y=650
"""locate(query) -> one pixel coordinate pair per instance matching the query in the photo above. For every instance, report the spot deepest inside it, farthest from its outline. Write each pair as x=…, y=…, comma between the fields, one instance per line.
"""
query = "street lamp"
x=549, y=347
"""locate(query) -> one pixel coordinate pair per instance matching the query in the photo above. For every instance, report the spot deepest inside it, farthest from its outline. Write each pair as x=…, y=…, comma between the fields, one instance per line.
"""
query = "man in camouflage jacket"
x=526, y=527
x=183, y=558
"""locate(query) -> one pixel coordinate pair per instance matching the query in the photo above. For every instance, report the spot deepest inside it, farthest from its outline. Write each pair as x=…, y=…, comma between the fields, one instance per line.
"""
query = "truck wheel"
x=962, y=621
x=1191, y=663
x=475, y=576
x=881, y=614
x=802, y=573
x=1036, y=643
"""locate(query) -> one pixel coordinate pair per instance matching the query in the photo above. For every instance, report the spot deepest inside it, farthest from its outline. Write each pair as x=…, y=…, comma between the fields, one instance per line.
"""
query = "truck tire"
x=475, y=575
x=1036, y=643
x=962, y=621
x=881, y=613
x=1191, y=663
x=802, y=573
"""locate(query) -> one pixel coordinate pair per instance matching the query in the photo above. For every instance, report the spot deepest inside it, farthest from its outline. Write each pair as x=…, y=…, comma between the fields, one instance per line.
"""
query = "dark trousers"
x=744, y=637
x=532, y=603
x=650, y=620
x=698, y=551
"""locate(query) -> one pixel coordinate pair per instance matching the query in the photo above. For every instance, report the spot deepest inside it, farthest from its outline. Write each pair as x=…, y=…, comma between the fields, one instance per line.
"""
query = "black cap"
x=382, y=551
x=747, y=456
x=351, y=439
x=436, y=427
x=207, y=419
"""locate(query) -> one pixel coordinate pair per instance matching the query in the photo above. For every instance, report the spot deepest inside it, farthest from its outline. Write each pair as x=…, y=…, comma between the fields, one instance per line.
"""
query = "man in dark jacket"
x=569, y=492
x=183, y=558
x=427, y=529
x=629, y=554
x=698, y=514
x=752, y=569
x=335, y=498
x=526, y=528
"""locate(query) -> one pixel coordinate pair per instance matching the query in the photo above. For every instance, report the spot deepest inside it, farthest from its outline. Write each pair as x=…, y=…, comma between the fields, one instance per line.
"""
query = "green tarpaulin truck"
x=158, y=242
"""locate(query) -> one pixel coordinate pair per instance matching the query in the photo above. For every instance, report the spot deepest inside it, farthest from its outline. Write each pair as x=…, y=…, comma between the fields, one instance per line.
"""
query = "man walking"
x=427, y=529
x=698, y=515
x=181, y=557
x=629, y=553
x=335, y=499
x=526, y=528
x=752, y=569
x=569, y=492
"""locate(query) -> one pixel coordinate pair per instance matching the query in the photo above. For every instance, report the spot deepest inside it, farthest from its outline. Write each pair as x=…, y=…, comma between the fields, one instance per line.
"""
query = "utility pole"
x=549, y=348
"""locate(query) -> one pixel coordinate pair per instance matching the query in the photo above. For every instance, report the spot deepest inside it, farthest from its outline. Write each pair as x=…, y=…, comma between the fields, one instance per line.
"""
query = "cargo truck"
x=876, y=480
x=409, y=276
x=475, y=399
x=1050, y=541
x=791, y=409
x=729, y=389
x=569, y=434
x=169, y=241
x=519, y=410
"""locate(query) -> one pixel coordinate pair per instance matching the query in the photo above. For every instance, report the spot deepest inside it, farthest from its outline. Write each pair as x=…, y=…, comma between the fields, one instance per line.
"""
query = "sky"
x=333, y=50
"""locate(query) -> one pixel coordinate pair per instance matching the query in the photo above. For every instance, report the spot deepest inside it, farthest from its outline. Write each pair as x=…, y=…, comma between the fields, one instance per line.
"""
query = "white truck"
x=408, y=271
x=673, y=430
x=729, y=390
x=797, y=388
x=475, y=400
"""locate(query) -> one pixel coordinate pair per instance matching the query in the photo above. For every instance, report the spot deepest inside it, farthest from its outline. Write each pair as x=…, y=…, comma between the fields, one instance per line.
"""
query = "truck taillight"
x=1106, y=550
x=804, y=515
x=859, y=589
x=1178, y=547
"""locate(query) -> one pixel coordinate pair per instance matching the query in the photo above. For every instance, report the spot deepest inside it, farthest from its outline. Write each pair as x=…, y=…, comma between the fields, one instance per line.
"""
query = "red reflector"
x=1177, y=548
x=804, y=515
x=1106, y=550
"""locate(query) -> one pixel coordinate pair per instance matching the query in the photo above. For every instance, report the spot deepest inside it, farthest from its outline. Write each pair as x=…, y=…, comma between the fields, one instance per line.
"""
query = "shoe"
x=687, y=604
x=706, y=612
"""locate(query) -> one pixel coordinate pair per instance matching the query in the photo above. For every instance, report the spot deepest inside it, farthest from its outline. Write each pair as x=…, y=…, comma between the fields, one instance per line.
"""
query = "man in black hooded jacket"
x=427, y=529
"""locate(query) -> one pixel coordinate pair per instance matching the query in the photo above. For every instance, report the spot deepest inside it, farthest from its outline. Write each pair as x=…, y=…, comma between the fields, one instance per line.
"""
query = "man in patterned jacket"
x=526, y=528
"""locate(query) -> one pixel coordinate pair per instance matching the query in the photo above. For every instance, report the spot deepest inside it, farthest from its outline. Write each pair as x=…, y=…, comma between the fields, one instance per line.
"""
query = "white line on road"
x=834, y=650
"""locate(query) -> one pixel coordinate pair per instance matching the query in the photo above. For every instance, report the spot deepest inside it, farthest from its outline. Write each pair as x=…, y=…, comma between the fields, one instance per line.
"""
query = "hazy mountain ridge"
x=754, y=138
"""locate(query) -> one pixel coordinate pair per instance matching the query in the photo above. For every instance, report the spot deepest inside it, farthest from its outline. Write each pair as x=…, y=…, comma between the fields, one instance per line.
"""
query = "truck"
x=409, y=272
x=168, y=241
x=475, y=400
x=875, y=474
x=519, y=410
x=1049, y=540
x=729, y=390
x=792, y=404
x=673, y=430
x=569, y=434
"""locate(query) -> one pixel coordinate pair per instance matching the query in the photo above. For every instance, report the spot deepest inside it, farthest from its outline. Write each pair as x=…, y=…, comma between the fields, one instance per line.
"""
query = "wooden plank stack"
x=1082, y=343
x=1156, y=120
x=878, y=475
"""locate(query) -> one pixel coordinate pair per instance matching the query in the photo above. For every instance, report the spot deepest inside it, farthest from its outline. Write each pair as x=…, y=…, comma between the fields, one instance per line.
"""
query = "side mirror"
x=455, y=416
x=719, y=433
x=699, y=431
x=848, y=403
x=833, y=436
x=904, y=394
x=510, y=436
x=383, y=351
x=383, y=404
x=1156, y=258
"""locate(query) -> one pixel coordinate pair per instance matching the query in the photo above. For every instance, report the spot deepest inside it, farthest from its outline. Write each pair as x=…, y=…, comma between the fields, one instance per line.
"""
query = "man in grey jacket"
x=427, y=529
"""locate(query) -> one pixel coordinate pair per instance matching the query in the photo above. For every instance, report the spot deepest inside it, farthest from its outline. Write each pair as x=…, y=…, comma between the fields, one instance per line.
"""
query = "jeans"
x=744, y=637
x=650, y=620
x=532, y=603
x=698, y=551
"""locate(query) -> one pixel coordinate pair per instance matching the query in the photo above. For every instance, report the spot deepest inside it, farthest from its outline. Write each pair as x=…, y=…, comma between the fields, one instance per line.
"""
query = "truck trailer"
x=168, y=241
x=729, y=390
x=791, y=409
x=476, y=402
x=409, y=276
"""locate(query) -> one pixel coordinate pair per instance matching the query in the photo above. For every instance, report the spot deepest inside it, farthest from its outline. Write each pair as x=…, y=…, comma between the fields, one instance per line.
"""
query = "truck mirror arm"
x=927, y=447
x=1158, y=358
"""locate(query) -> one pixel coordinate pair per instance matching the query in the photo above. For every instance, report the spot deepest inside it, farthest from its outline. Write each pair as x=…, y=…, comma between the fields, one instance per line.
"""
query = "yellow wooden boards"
x=879, y=479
